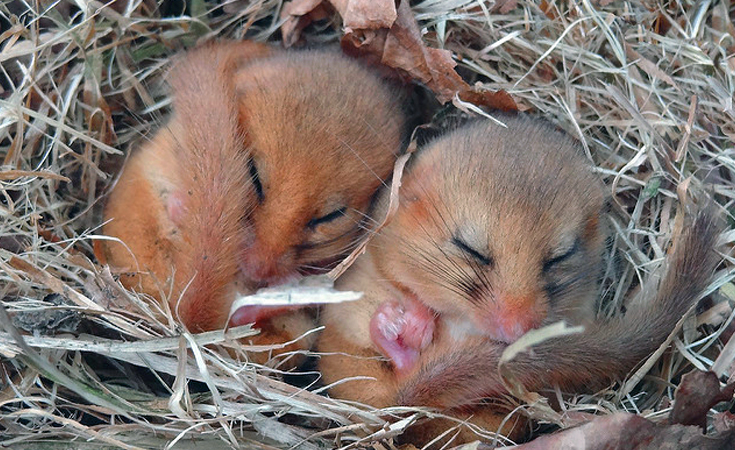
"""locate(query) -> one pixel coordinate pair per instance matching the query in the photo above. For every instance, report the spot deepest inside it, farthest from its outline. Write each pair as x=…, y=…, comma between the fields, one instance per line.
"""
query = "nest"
x=646, y=87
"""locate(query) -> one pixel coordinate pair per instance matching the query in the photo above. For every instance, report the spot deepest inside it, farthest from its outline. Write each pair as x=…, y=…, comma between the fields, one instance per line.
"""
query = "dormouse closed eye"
x=255, y=179
x=565, y=255
x=481, y=258
x=327, y=217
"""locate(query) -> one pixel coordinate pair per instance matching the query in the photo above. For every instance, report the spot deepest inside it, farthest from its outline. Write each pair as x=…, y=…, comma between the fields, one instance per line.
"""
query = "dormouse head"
x=499, y=228
x=323, y=132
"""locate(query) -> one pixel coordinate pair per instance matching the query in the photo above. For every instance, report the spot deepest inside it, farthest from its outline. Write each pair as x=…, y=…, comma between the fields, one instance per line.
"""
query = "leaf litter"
x=647, y=89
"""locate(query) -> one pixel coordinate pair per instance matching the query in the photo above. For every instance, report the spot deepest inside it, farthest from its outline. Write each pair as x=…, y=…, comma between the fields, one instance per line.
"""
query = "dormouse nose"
x=266, y=265
x=511, y=316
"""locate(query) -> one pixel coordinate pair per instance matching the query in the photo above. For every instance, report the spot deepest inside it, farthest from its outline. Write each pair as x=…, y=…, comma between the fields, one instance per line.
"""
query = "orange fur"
x=456, y=373
x=345, y=341
x=195, y=163
x=323, y=132
x=528, y=203
x=348, y=352
x=341, y=128
x=520, y=197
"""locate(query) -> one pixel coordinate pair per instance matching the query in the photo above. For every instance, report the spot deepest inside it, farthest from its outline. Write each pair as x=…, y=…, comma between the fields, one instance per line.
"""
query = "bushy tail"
x=216, y=192
x=605, y=351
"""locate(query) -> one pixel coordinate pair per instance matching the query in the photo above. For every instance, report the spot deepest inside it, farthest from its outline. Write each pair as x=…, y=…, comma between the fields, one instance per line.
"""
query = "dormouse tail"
x=604, y=351
x=216, y=194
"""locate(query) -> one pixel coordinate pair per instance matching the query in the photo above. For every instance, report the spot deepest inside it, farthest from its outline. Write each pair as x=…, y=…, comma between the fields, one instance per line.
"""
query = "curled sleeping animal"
x=499, y=231
x=267, y=169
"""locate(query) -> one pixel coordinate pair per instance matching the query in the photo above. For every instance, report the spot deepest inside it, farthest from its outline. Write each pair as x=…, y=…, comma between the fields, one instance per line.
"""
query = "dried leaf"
x=504, y=6
x=625, y=431
x=380, y=33
x=649, y=67
x=492, y=99
x=725, y=362
x=697, y=393
x=366, y=14
x=681, y=150
x=297, y=15
x=724, y=421
x=15, y=174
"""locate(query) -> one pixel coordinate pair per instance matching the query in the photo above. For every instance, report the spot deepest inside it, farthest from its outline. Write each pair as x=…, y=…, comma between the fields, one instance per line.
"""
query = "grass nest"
x=647, y=87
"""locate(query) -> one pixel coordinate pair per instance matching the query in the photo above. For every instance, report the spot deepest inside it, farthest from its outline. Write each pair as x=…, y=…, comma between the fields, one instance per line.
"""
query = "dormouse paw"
x=401, y=330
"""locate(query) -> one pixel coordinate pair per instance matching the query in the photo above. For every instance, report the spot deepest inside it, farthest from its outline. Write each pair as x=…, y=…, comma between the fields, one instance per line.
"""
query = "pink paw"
x=401, y=331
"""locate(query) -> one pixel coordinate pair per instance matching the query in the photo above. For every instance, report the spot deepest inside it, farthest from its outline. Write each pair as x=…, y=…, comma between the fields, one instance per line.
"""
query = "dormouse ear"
x=224, y=57
x=594, y=228
x=243, y=117
x=241, y=53
x=175, y=203
x=245, y=82
x=591, y=228
x=420, y=178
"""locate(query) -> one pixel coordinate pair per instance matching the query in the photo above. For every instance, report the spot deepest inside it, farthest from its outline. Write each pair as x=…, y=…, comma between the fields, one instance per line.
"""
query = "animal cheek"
x=417, y=210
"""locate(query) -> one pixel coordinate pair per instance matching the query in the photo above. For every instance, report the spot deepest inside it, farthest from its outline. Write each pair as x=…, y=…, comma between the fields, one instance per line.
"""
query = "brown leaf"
x=366, y=14
x=504, y=6
x=401, y=48
x=356, y=15
x=661, y=25
x=548, y=9
x=724, y=421
x=382, y=34
x=15, y=174
x=597, y=434
x=649, y=67
x=697, y=393
x=625, y=431
x=13, y=243
x=297, y=15
x=492, y=99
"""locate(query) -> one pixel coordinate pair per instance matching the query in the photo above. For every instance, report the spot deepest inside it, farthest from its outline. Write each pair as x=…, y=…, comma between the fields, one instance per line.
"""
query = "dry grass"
x=647, y=86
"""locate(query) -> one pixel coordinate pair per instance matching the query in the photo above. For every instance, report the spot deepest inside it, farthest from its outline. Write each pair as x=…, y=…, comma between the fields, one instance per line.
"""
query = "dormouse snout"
x=267, y=265
x=511, y=316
